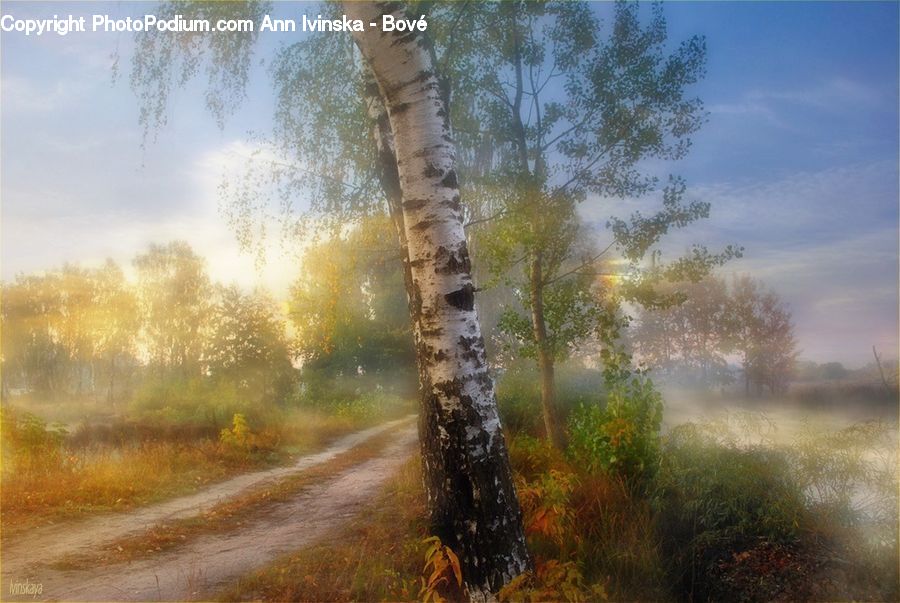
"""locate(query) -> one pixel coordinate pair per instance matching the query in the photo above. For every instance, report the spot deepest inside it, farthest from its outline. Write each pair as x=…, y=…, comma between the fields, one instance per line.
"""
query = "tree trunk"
x=545, y=357
x=468, y=482
x=546, y=360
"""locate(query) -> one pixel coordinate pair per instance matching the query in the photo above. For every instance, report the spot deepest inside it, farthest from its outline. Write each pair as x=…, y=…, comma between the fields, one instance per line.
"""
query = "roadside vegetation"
x=117, y=393
x=51, y=473
x=709, y=510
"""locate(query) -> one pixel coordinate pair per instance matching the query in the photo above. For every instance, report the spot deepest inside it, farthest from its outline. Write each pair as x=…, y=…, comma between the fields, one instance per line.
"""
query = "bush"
x=590, y=534
x=30, y=446
x=239, y=436
x=198, y=401
x=622, y=438
x=715, y=500
x=519, y=397
x=519, y=401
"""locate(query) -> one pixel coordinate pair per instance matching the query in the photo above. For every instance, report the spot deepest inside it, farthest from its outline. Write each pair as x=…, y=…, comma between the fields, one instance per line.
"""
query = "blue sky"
x=799, y=159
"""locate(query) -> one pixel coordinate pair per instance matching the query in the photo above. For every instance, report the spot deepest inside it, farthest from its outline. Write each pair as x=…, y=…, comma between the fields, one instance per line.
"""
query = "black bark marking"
x=414, y=204
x=448, y=262
x=469, y=347
x=436, y=332
x=424, y=224
x=404, y=37
x=432, y=171
x=453, y=203
x=462, y=299
x=399, y=108
x=449, y=180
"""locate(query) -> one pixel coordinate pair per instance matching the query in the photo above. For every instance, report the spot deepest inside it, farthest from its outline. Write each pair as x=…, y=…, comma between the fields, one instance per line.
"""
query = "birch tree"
x=467, y=476
x=471, y=499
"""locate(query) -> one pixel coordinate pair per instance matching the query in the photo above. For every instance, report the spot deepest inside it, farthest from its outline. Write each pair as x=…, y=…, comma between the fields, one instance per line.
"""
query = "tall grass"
x=49, y=473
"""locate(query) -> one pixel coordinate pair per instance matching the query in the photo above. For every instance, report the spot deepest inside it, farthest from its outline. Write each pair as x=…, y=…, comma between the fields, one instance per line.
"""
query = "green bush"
x=30, y=447
x=519, y=401
x=239, y=435
x=198, y=401
x=621, y=438
x=715, y=499
x=371, y=406
x=519, y=395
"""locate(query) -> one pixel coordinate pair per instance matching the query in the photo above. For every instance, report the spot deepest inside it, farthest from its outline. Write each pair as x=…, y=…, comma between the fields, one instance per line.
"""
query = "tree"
x=764, y=336
x=689, y=339
x=348, y=304
x=472, y=502
x=116, y=326
x=69, y=329
x=174, y=293
x=32, y=355
x=467, y=475
x=248, y=347
x=619, y=102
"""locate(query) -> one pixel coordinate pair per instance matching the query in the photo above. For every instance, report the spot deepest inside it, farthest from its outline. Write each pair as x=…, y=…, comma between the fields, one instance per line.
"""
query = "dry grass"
x=229, y=515
x=115, y=473
x=600, y=541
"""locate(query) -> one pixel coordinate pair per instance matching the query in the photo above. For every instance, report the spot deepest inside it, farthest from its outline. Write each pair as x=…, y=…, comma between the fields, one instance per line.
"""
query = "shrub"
x=622, y=438
x=519, y=399
x=198, y=401
x=239, y=436
x=533, y=456
x=590, y=534
x=30, y=446
x=716, y=500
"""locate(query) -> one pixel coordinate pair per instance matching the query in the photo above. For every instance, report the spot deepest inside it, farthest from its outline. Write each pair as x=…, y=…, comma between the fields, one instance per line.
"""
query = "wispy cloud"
x=831, y=95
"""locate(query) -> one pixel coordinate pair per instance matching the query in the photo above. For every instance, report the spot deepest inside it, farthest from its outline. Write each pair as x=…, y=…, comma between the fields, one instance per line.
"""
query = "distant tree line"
x=90, y=332
x=708, y=324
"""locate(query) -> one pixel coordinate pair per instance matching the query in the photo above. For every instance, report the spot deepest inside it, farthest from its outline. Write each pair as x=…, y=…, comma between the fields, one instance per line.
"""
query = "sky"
x=798, y=159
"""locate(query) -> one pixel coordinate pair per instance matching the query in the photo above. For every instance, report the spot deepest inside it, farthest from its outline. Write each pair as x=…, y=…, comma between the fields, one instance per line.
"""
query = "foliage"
x=518, y=394
x=348, y=305
x=175, y=296
x=360, y=398
x=690, y=337
x=590, y=533
x=444, y=580
x=239, y=436
x=849, y=476
x=623, y=437
x=552, y=580
x=248, y=346
x=69, y=331
x=30, y=447
x=715, y=498
x=763, y=335
x=194, y=401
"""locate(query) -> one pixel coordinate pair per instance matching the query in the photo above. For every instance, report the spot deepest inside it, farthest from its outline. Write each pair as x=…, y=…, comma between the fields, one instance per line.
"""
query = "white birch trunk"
x=471, y=497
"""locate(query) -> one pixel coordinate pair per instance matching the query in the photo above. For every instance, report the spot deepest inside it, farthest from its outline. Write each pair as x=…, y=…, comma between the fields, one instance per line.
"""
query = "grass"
x=379, y=554
x=48, y=476
x=724, y=519
x=229, y=515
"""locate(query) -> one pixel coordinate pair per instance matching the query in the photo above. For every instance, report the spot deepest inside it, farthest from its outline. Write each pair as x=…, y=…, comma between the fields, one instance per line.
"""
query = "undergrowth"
x=50, y=473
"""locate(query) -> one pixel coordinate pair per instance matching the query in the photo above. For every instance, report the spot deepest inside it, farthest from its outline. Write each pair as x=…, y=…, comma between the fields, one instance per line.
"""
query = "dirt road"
x=209, y=562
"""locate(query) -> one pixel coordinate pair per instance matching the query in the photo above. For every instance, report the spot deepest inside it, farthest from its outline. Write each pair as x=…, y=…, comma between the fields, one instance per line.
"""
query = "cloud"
x=836, y=94
x=826, y=241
